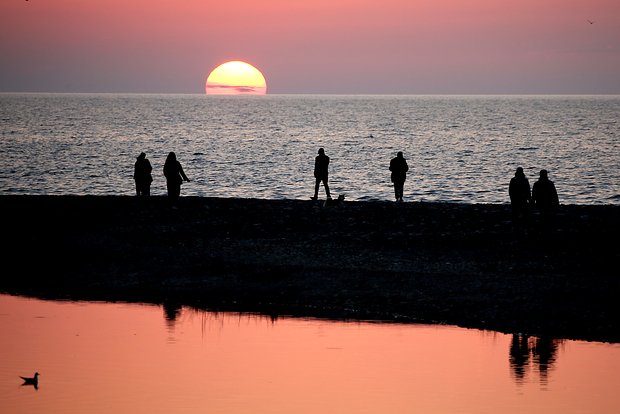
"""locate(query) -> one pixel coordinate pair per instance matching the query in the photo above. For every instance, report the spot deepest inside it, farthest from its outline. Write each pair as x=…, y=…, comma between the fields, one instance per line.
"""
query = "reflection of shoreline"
x=419, y=262
x=528, y=352
x=529, y=355
x=173, y=311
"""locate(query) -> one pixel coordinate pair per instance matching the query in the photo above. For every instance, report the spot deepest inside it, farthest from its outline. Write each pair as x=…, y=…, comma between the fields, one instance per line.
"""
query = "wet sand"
x=420, y=262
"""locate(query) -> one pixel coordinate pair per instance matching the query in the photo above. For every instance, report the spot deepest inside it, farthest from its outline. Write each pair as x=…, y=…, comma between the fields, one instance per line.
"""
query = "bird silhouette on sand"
x=34, y=381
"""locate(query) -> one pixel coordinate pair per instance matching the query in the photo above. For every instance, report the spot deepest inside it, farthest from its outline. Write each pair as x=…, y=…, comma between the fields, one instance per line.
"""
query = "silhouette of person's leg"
x=137, y=188
x=174, y=191
x=316, y=188
x=326, y=187
x=398, y=190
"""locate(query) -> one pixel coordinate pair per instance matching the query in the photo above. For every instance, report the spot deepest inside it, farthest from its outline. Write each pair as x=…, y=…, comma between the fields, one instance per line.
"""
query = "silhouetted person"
x=142, y=175
x=519, y=356
x=544, y=352
x=174, y=176
x=520, y=195
x=321, y=163
x=544, y=195
x=172, y=310
x=399, y=169
x=539, y=351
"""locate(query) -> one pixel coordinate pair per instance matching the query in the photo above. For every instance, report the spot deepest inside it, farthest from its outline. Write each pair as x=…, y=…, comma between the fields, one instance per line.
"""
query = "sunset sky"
x=317, y=46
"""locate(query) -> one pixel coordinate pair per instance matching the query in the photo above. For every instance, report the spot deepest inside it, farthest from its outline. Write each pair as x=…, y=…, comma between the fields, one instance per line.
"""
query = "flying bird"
x=590, y=21
x=32, y=381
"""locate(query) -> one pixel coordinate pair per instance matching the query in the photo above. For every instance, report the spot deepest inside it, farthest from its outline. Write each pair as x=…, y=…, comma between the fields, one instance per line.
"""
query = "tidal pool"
x=132, y=358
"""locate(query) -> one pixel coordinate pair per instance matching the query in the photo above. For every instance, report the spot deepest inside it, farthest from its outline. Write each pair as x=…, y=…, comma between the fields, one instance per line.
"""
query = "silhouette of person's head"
x=142, y=156
x=400, y=154
x=171, y=157
x=519, y=172
x=543, y=174
x=321, y=151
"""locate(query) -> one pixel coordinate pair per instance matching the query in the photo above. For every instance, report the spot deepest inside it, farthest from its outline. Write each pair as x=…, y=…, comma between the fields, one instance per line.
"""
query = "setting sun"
x=236, y=78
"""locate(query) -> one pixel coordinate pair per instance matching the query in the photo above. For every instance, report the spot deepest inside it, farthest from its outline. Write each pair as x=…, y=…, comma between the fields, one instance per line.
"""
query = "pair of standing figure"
x=398, y=166
x=543, y=194
x=173, y=171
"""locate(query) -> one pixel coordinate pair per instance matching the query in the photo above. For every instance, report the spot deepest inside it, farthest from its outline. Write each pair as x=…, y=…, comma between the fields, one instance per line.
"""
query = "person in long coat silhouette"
x=142, y=175
x=544, y=194
x=174, y=176
x=520, y=194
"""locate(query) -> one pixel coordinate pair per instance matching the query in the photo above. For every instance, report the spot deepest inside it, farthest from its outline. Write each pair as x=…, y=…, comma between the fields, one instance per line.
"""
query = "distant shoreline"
x=425, y=262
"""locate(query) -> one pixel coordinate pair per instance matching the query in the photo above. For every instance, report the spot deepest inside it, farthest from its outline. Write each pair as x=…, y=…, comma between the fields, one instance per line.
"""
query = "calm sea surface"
x=459, y=148
x=122, y=358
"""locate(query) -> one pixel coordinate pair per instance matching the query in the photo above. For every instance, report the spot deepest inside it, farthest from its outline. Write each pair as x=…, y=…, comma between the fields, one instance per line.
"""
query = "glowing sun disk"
x=236, y=78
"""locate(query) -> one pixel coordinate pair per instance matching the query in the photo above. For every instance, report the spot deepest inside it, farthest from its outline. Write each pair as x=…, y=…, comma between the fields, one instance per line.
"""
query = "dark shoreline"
x=461, y=264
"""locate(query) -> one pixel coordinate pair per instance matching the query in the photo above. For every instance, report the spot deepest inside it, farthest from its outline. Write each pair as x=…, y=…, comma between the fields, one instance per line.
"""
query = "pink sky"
x=317, y=46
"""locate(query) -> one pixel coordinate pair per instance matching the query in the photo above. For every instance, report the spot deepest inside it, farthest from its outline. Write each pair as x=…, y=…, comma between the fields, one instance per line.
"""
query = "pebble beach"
x=469, y=265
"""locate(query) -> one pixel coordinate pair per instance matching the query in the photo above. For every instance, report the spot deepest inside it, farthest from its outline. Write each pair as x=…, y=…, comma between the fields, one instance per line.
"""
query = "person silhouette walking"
x=173, y=171
x=399, y=169
x=544, y=195
x=142, y=175
x=321, y=163
x=520, y=194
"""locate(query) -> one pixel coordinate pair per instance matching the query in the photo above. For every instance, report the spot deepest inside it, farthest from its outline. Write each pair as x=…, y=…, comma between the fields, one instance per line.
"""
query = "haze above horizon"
x=318, y=47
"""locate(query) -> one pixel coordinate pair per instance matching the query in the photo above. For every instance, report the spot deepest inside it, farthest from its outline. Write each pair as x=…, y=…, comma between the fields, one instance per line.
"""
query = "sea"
x=459, y=148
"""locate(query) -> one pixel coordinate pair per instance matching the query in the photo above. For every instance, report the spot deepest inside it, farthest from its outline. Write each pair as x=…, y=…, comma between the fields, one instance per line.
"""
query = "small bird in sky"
x=32, y=381
x=590, y=21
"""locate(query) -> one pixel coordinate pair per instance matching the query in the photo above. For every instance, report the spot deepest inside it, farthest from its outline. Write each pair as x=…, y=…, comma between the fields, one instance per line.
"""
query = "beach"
x=415, y=262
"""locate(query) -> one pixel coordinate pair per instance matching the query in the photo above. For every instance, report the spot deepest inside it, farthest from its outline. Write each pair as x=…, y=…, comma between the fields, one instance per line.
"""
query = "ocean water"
x=459, y=148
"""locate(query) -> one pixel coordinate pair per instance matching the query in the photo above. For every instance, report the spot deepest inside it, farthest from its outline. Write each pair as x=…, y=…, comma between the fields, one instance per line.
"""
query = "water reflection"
x=530, y=352
x=528, y=355
x=173, y=358
x=172, y=310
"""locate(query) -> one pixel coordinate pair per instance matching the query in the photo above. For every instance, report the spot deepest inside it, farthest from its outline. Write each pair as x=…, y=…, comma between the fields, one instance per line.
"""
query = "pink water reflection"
x=121, y=358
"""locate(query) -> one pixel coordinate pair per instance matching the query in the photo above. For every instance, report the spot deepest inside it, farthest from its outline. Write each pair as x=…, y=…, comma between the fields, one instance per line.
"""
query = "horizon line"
x=317, y=94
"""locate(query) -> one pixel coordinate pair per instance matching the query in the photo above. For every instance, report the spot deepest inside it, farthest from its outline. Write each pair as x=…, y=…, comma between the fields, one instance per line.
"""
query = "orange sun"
x=236, y=78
